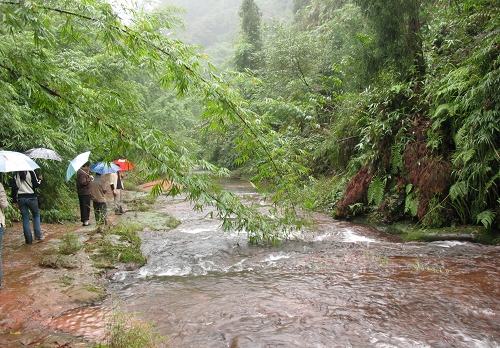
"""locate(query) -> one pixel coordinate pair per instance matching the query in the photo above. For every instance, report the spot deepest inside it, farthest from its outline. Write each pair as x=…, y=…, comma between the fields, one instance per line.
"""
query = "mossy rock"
x=59, y=261
x=409, y=231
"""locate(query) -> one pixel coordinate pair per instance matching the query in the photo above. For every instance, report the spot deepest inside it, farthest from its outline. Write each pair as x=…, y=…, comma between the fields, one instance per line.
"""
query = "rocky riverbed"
x=40, y=284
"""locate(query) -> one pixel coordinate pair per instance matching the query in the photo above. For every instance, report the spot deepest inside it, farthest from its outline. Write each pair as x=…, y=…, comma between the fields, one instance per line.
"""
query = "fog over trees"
x=354, y=108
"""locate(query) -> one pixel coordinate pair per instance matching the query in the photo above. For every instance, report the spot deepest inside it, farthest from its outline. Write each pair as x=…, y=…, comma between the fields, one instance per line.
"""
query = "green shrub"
x=70, y=244
x=123, y=330
x=126, y=249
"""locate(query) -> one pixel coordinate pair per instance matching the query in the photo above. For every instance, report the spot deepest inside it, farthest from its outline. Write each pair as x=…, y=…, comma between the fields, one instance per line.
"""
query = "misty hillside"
x=214, y=23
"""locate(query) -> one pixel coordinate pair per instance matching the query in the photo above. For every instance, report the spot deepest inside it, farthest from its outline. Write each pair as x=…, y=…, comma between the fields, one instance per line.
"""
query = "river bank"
x=32, y=296
x=411, y=231
x=40, y=283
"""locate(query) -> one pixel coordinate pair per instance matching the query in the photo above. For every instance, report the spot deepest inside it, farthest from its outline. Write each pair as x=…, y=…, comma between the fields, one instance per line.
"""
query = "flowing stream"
x=342, y=285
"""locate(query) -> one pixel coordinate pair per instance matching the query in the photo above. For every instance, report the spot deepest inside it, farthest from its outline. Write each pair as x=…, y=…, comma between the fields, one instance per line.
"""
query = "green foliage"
x=251, y=17
x=436, y=215
x=486, y=218
x=342, y=88
x=397, y=158
x=244, y=56
x=467, y=108
x=338, y=30
x=396, y=29
x=376, y=191
x=70, y=244
x=460, y=201
x=125, y=330
x=411, y=201
x=250, y=41
x=75, y=72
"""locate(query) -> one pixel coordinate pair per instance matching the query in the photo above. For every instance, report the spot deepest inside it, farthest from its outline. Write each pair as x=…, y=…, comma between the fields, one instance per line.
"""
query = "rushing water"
x=343, y=285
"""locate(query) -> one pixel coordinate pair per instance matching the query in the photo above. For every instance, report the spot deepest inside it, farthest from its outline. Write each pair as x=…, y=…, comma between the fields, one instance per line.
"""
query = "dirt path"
x=33, y=297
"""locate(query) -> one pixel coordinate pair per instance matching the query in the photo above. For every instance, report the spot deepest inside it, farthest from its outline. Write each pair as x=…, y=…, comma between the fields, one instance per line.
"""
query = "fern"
x=396, y=159
x=486, y=217
x=458, y=195
x=458, y=190
x=376, y=191
x=411, y=201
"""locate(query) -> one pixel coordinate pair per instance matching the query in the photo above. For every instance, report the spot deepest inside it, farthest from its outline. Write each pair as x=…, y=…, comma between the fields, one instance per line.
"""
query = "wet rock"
x=59, y=261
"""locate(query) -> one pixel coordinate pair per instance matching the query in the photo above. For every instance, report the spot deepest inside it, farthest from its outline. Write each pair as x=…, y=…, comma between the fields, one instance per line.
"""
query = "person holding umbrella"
x=98, y=188
x=83, y=180
x=24, y=184
x=4, y=203
x=116, y=183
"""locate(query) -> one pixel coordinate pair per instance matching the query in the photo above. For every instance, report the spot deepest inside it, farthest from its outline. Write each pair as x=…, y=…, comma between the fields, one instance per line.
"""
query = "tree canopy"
x=73, y=79
x=356, y=107
x=393, y=104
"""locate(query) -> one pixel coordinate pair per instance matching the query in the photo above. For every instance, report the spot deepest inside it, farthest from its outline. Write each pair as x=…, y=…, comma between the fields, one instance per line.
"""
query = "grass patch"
x=119, y=244
x=100, y=290
x=411, y=231
x=147, y=199
x=488, y=236
x=66, y=280
x=417, y=266
x=70, y=244
x=103, y=265
x=124, y=330
x=141, y=202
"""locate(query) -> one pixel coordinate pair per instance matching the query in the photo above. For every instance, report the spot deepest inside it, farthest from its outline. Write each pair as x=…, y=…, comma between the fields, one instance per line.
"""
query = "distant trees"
x=299, y=4
x=397, y=33
x=250, y=36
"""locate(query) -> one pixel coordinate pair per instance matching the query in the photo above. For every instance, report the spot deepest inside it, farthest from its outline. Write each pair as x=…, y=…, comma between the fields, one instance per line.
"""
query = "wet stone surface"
x=340, y=285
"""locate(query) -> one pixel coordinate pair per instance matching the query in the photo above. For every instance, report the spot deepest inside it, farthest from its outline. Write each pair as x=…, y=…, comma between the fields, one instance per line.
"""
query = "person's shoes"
x=85, y=224
x=39, y=239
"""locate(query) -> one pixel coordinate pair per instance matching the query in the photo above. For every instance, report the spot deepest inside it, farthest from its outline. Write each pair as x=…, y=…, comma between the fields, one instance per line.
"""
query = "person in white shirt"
x=116, y=183
x=4, y=203
x=24, y=196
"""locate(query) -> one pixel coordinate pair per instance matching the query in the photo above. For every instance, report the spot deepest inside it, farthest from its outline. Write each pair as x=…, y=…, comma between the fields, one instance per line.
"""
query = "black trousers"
x=84, y=207
x=100, y=211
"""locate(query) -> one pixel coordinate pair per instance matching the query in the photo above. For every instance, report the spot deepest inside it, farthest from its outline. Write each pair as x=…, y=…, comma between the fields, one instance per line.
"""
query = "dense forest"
x=382, y=109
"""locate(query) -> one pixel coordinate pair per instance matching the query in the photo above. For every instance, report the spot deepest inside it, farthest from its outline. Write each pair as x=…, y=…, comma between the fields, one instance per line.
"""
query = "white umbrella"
x=41, y=152
x=76, y=163
x=11, y=161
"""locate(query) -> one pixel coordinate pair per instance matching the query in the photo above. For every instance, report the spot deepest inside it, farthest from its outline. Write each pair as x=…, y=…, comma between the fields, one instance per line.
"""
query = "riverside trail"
x=33, y=297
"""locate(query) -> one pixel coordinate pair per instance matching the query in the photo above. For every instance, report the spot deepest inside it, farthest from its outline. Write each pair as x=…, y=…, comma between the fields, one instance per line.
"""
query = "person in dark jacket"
x=24, y=196
x=98, y=189
x=83, y=180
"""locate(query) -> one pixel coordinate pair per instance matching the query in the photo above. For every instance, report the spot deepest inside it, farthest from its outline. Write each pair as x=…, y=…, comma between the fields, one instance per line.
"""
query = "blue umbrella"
x=11, y=161
x=104, y=168
x=76, y=163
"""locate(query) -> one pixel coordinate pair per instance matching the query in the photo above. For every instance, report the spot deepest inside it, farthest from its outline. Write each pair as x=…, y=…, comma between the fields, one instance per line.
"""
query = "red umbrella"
x=124, y=164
